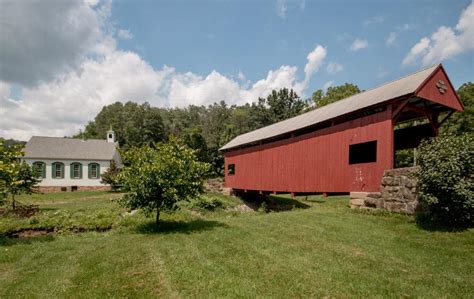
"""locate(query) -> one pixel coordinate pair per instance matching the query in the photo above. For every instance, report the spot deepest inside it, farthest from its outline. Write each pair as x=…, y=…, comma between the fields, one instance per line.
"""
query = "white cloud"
x=420, y=48
x=4, y=90
x=391, y=39
x=359, y=44
x=281, y=8
x=63, y=105
x=334, y=67
x=315, y=60
x=124, y=34
x=59, y=33
x=446, y=42
x=328, y=84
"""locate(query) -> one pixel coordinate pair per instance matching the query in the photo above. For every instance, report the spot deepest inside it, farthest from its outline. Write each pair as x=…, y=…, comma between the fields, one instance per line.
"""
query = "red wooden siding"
x=428, y=90
x=315, y=162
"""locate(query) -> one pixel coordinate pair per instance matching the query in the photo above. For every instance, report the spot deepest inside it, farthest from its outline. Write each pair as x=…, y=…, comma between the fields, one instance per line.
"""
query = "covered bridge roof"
x=68, y=148
x=401, y=87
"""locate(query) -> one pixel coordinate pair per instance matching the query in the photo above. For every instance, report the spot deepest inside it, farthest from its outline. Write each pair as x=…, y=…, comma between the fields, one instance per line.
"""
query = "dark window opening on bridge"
x=231, y=169
x=365, y=152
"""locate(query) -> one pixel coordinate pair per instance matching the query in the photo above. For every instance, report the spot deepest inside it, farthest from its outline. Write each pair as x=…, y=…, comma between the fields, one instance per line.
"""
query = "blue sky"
x=62, y=61
x=251, y=36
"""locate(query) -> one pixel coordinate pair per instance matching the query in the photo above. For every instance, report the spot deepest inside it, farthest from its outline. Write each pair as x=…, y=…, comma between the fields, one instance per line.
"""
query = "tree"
x=134, y=124
x=111, y=175
x=193, y=138
x=277, y=106
x=462, y=122
x=446, y=179
x=156, y=177
x=16, y=177
x=334, y=94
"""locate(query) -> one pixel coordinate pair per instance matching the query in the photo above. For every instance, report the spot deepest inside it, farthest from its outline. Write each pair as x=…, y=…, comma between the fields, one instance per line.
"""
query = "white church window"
x=76, y=170
x=58, y=170
x=94, y=171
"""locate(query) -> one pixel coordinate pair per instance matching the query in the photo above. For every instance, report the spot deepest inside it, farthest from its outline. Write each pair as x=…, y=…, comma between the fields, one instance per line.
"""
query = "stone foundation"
x=398, y=193
x=228, y=191
x=215, y=185
x=48, y=189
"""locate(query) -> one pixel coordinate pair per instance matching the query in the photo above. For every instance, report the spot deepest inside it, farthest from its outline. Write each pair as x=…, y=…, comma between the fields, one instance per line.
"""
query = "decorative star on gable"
x=441, y=86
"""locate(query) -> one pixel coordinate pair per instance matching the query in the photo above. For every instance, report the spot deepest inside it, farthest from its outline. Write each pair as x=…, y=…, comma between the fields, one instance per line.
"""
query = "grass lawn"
x=321, y=248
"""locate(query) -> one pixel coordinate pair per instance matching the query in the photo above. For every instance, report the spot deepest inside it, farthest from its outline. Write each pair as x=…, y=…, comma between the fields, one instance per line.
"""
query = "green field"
x=320, y=248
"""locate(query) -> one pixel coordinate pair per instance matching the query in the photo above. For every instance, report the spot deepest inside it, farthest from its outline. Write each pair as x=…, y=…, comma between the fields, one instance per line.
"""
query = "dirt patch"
x=30, y=233
x=25, y=211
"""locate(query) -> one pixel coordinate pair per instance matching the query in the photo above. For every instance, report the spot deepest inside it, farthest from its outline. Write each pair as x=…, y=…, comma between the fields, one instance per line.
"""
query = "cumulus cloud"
x=446, y=42
x=63, y=106
x=315, y=60
x=41, y=39
x=334, y=67
x=60, y=102
x=124, y=34
x=359, y=44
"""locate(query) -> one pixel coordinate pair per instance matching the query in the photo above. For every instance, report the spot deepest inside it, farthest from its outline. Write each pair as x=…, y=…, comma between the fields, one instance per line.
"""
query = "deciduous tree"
x=156, y=177
x=16, y=177
x=334, y=94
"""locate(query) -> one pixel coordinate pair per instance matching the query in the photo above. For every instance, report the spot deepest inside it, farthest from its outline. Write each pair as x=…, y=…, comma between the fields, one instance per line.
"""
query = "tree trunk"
x=13, y=202
x=157, y=218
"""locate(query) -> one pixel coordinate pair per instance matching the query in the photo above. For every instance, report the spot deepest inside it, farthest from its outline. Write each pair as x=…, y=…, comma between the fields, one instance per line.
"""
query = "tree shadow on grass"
x=284, y=204
x=10, y=241
x=425, y=222
x=180, y=227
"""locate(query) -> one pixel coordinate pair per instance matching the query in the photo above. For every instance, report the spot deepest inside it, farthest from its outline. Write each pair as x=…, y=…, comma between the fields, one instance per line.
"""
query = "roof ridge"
x=308, y=116
x=381, y=85
x=403, y=77
x=347, y=98
x=69, y=138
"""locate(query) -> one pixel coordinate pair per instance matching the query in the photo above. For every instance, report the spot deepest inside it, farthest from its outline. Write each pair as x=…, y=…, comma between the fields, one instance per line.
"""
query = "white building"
x=71, y=164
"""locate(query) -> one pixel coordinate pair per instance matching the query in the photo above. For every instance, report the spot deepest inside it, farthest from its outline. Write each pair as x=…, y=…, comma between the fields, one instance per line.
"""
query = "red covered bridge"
x=344, y=146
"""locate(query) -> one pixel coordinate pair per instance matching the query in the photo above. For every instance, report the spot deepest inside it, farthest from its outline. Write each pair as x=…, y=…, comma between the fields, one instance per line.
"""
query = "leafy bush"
x=111, y=176
x=63, y=220
x=446, y=180
x=206, y=203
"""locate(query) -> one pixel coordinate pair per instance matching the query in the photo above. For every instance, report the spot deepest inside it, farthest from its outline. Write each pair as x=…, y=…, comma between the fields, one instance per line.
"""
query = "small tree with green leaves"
x=111, y=175
x=16, y=177
x=446, y=180
x=156, y=177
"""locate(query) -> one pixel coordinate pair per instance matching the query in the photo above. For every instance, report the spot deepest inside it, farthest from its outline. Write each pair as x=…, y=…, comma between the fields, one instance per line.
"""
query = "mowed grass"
x=321, y=249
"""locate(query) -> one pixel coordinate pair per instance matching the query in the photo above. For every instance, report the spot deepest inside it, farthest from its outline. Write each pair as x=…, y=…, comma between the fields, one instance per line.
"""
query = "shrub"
x=446, y=180
x=206, y=203
x=111, y=176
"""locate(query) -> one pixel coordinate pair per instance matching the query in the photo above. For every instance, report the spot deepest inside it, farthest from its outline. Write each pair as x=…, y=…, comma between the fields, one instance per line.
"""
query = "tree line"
x=207, y=128
x=204, y=128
